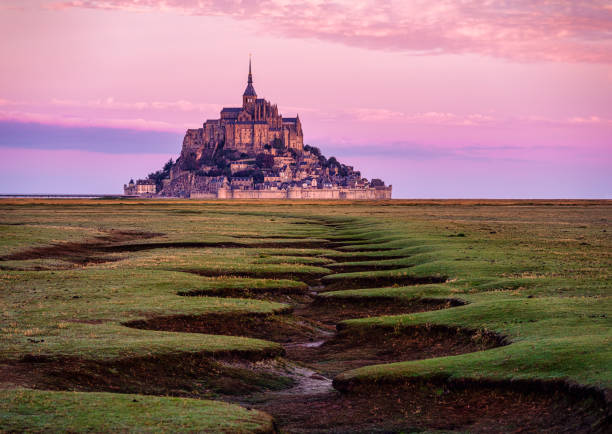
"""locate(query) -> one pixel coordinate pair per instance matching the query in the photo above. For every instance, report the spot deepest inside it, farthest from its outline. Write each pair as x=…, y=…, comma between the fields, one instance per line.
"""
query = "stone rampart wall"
x=304, y=193
x=203, y=196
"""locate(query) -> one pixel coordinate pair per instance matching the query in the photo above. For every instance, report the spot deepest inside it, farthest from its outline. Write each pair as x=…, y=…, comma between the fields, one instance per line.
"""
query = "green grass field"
x=226, y=291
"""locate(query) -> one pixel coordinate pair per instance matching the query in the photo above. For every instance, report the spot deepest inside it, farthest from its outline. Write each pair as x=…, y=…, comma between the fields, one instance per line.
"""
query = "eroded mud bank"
x=80, y=253
x=92, y=251
x=445, y=406
x=361, y=281
x=182, y=374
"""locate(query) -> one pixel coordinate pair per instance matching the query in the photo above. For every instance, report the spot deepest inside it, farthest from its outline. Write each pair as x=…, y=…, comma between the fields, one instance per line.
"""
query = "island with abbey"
x=253, y=152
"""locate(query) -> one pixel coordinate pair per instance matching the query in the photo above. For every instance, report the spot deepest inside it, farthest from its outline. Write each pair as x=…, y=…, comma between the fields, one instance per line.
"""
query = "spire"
x=250, y=75
x=250, y=90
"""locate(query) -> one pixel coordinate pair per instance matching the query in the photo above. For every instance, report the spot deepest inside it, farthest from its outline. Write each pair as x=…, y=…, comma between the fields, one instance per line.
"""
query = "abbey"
x=253, y=152
x=248, y=128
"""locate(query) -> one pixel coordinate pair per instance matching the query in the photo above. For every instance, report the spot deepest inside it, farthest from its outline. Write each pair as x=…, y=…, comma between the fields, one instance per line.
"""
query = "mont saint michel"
x=253, y=152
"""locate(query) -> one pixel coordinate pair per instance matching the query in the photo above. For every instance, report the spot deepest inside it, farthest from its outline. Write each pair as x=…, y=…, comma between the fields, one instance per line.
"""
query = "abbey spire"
x=249, y=95
x=250, y=74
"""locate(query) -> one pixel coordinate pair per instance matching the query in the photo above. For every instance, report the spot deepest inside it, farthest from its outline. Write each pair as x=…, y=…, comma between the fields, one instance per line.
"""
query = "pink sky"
x=440, y=98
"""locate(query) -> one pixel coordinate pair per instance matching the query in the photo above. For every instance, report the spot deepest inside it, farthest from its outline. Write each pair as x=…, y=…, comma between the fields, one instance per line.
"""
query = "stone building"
x=142, y=187
x=246, y=129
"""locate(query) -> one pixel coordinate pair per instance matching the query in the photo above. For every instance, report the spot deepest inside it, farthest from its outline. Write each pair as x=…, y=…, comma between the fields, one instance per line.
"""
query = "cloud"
x=108, y=103
x=31, y=135
x=590, y=120
x=78, y=121
x=425, y=118
x=523, y=30
x=461, y=153
x=177, y=116
x=440, y=118
x=106, y=112
x=111, y=104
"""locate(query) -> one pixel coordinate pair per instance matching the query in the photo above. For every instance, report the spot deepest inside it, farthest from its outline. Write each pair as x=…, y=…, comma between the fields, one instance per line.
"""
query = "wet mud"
x=331, y=310
x=306, y=276
x=359, y=256
x=376, y=281
x=277, y=327
x=92, y=251
x=433, y=406
x=80, y=253
x=354, y=348
x=217, y=244
x=280, y=293
x=189, y=375
x=354, y=268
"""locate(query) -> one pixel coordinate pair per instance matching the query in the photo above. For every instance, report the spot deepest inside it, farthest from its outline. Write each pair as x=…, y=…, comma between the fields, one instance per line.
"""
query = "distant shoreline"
x=395, y=201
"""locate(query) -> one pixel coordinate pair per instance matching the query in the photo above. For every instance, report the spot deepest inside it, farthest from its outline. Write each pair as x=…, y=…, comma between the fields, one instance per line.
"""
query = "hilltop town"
x=253, y=152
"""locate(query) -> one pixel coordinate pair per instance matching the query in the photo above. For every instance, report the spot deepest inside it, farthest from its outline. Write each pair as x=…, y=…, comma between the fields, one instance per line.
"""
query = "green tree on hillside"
x=160, y=175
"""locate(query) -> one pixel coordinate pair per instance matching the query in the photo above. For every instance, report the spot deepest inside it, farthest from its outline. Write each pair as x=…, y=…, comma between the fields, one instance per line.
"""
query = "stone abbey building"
x=254, y=152
x=248, y=128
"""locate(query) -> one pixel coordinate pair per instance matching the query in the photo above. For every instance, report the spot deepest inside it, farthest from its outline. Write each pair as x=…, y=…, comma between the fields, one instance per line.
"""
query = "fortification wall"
x=304, y=193
x=203, y=196
x=258, y=194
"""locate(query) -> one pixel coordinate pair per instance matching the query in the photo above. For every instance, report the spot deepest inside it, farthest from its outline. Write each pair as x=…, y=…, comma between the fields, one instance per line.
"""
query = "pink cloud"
x=590, y=120
x=425, y=118
x=111, y=113
x=77, y=121
x=365, y=123
x=108, y=112
x=524, y=30
x=110, y=103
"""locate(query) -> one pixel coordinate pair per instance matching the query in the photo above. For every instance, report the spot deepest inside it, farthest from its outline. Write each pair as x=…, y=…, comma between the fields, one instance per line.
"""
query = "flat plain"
x=266, y=316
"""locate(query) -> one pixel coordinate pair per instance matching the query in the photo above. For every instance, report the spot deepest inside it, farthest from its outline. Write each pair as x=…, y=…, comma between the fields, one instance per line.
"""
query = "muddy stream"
x=296, y=385
x=317, y=348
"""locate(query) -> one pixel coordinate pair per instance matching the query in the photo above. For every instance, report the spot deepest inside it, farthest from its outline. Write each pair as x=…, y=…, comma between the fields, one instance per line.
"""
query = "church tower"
x=249, y=96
